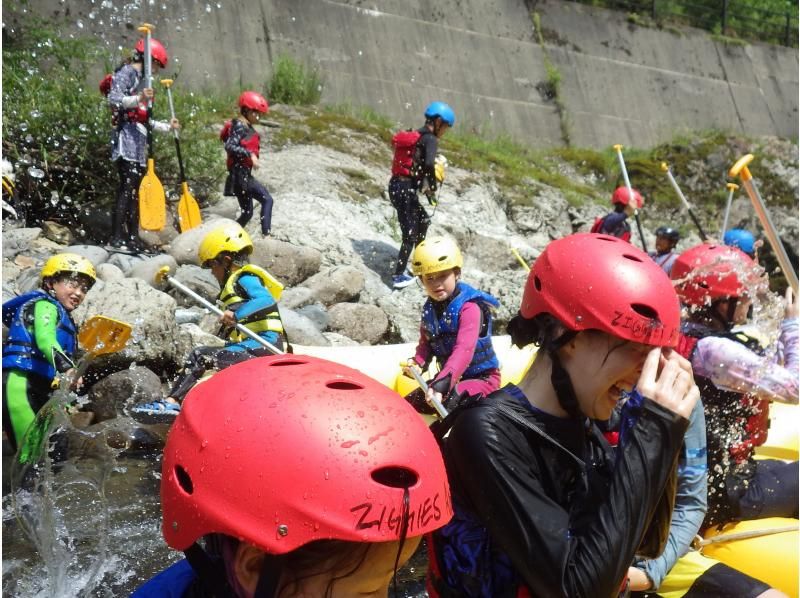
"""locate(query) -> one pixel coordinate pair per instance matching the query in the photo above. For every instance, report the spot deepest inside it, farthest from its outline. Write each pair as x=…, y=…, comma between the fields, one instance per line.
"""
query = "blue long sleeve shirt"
x=259, y=298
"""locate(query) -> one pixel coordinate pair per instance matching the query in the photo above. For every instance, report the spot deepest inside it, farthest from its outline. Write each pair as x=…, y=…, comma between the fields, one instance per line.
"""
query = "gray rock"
x=336, y=285
x=108, y=272
x=361, y=322
x=18, y=240
x=184, y=247
x=200, y=337
x=188, y=315
x=198, y=279
x=115, y=394
x=28, y=280
x=124, y=262
x=301, y=330
x=290, y=264
x=295, y=297
x=317, y=313
x=340, y=340
x=404, y=309
x=58, y=233
x=146, y=269
x=226, y=207
x=93, y=253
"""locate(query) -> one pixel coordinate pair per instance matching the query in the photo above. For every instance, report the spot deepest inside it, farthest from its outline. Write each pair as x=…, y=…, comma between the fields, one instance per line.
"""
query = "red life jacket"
x=598, y=224
x=755, y=411
x=404, y=143
x=137, y=115
x=252, y=143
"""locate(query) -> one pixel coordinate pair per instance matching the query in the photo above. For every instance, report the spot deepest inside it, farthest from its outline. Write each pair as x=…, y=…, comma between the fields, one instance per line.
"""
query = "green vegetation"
x=553, y=84
x=294, y=83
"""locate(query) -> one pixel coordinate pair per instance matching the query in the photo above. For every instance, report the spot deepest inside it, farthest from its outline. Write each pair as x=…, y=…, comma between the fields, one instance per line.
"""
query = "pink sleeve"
x=732, y=366
x=469, y=327
x=423, y=348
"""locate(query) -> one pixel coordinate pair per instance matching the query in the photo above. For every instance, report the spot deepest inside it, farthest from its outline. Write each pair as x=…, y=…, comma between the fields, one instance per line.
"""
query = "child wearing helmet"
x=337, y=480
x=248, y=295
x=666, y=240
x=128, y=98
x=542, y=507
x=414, y=171
x=717, y=284
x=616, y=223
x=242, y=143
x=456, y=328
x=41, y=339
x=742, y=239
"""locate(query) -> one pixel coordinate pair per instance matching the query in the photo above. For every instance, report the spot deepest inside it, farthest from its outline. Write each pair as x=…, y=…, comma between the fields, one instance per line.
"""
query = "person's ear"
x=247, y=566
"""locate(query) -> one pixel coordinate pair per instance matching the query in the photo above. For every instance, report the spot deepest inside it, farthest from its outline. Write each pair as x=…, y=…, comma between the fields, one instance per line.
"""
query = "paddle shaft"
x=686, y=205
x=437, y=404
x=727, y=211
x=177, y=137
x=205, y=303
x=734, y=536
x=630, y=195
x=148, y=82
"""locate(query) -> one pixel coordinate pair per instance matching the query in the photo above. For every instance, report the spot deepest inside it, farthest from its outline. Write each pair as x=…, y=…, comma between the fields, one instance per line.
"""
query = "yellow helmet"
x=68, y=262
x=435, y=255
x=230, y=237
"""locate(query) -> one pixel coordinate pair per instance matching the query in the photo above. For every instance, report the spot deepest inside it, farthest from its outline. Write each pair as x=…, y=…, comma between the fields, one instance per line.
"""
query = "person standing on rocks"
x=128, y=98
x=42, y=339
x=616, y=223
x=666, y=240
x=242, y=143
x=414, y=171
x=456, y=328
x=249, y=294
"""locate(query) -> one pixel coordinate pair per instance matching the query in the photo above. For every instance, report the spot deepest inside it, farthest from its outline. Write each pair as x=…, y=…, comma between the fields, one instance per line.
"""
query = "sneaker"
x=155, y=412
x=401, y=281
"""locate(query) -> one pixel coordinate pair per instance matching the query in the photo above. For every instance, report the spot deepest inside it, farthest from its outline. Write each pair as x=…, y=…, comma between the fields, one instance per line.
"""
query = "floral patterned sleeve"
x=732, y=366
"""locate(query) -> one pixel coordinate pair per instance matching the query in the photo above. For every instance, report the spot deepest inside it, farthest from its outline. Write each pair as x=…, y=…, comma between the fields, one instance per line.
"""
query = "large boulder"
x=302, y=330
x=184, y=247
x=361, y=322
x=156, y=340
x=114, y=394
x=317, y=313
x=109, y=272
x=295, y=297
x=146, y=270
x=336, y=285
x=18, y=240
x=291, y=264
x=93, y=253
x=404, y=308
x=199, y=280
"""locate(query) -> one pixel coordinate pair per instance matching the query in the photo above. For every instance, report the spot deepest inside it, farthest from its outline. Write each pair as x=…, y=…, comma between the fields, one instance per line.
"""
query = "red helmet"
x=157, y=51
x=590, y=281
x=622, y=196
x=254, y=101
x=707, y=273
x=284, y=450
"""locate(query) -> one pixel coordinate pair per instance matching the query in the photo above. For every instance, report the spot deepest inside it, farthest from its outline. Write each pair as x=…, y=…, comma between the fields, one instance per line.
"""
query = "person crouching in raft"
x=717, y=283
x=456, y=328
x=249, y=294
x=42, y=339
x=542, y=507
x=295, y=476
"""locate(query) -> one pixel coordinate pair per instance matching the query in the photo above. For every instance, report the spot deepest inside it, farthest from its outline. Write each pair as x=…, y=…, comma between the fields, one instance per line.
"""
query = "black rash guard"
x=568, y=530
x=425, y=158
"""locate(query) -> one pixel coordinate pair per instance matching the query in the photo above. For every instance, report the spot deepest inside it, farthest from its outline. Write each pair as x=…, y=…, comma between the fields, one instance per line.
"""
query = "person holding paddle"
x=128, y=98
x=542, y=507
x=249, y=294
x=242, y=143
x=295, y=476
x=41, y=339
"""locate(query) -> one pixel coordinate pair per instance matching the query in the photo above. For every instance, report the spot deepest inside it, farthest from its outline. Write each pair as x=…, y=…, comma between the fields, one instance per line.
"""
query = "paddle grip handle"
x=437, y=404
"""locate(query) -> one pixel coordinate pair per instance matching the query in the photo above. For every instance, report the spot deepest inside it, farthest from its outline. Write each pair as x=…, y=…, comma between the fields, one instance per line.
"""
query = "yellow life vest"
x=264, y=320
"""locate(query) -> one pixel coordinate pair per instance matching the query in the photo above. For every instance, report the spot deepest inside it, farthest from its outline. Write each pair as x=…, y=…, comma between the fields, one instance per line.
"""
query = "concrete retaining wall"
x=620, y=83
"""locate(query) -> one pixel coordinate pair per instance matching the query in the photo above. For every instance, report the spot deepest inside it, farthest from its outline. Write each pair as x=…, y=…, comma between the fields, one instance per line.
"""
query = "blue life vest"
x=441, y=332
x=172, y=582
x=20, y=351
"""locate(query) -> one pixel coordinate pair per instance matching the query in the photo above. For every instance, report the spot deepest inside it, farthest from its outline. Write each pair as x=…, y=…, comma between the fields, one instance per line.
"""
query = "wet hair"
x=619, y=207
x=542, y=330
x=48, y=282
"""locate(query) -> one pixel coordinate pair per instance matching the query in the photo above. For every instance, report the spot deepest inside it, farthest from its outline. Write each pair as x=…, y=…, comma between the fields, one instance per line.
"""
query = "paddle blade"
x=152, y=203
x=188, y=210
x=101, y=335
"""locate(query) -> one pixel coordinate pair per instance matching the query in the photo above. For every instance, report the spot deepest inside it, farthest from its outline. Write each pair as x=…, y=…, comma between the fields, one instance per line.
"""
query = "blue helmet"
x=738, y=237
x=442, y=110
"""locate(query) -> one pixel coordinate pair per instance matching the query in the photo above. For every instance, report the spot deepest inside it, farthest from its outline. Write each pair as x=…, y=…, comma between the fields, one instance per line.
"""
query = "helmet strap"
x=210, y=571
x=270, y=576
x=559, y=377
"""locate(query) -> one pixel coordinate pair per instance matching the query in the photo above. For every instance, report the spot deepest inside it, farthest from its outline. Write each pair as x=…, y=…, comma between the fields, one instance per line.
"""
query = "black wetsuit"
x=403, y=193
x=561, y=520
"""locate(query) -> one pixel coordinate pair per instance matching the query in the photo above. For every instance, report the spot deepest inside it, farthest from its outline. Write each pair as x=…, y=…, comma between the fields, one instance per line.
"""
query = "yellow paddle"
x=188, y=210
x=152, y=203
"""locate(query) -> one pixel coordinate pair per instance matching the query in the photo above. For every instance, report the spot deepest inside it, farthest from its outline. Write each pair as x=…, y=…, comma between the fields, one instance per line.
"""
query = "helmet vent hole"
x=607, y=238
x=395, y=477
x=344, y=385
x=537, y=283
x=645, y=310
x=633, y=258
x=184, y=481
x=291, y=361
